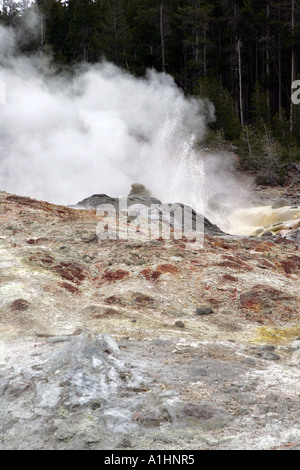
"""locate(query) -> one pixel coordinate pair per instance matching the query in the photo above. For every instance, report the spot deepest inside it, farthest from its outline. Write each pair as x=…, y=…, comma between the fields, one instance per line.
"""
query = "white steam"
x=64, y=139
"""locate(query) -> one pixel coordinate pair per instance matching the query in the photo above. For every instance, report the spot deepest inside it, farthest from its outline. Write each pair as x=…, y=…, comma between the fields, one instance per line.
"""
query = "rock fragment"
x=270, y=356
x=206, y=310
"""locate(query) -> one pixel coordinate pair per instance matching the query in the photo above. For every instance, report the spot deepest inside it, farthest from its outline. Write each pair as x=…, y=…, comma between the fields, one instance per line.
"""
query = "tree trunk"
x=185, y=77
x=293, y=68
x=85, y=57
x=42, y=33
x=162, y=37
x=116, y=33
x=239, y=47
x=196, y=47
x=268, y=57
x=256, y=58
x=279, y=80
x=204, y=52
x=196, y=36
x=125, y=58
x=279, y=71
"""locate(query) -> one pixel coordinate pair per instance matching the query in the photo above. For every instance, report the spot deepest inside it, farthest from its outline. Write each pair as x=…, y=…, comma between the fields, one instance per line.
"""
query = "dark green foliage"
x=261, y=152
x=225, y=108
x=259, y=108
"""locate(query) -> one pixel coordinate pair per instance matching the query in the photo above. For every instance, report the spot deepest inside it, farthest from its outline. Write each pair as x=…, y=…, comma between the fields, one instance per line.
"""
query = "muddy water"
x=256, y=220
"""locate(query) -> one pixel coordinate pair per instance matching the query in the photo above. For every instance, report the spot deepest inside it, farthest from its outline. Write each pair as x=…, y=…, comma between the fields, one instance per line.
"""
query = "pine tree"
x=225, y=108
x=259, y=107
x=53, y=27
x=115, y=35
x=193, y=17
x=82, y=27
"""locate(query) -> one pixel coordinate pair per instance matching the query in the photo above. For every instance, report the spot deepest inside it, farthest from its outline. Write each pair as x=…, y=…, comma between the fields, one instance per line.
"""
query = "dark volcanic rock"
x=97, y=200
x=179, y=214
x=203, y=310
x=207, y=416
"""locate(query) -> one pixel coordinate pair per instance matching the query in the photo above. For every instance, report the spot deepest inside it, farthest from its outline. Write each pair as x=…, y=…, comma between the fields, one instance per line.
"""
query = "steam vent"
x=141, y=200
x=139, y=190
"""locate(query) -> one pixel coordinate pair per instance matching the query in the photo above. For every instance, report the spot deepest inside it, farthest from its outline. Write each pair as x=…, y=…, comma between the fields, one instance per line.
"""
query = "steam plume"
x=64, y=138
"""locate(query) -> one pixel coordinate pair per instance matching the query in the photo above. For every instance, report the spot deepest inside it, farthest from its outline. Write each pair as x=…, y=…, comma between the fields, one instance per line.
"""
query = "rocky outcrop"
x=144, y=205
x=138, y=195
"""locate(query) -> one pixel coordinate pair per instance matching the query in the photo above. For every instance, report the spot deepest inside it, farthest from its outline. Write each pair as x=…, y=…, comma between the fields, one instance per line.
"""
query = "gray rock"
x=249, y=361
x=47, y=395
x=267, y=233
x=204, y=310
x=227, y=312
x=93, y=310
x=179, y=324
x=152, y=416
x=58, y=339
x=17, y=387
x=295, y=345
x=97, y=200
x=267, y=347
x=272, y=398
x=281, y=203
x=246, y=398
x=64, y=432
x=206, y=416
x=294, y=235
x=231, y=390
x=108, y=345
x=4, y=383
x=270, y=356
x=200, y=371
x=85, y=370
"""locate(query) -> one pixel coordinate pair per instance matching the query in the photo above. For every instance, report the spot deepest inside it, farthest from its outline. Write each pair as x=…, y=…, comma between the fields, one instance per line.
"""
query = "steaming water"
x=247, y=221
x=180, y=173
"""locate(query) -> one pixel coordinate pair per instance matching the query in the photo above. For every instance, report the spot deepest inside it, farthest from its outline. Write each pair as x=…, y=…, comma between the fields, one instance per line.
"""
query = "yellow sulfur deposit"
x=276, y=335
